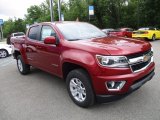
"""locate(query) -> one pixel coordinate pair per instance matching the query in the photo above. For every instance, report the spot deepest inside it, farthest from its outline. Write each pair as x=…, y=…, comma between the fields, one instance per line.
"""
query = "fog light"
x=115, y=85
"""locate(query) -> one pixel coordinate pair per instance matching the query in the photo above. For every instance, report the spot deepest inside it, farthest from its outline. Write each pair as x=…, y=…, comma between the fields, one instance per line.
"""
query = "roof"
x=57, y=22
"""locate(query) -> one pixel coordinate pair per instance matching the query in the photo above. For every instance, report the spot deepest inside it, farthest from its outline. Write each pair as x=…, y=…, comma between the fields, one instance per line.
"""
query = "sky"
x=16, y=8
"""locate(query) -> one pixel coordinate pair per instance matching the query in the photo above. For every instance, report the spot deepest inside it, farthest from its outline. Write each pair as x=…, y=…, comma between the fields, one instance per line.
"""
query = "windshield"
x=79, y=31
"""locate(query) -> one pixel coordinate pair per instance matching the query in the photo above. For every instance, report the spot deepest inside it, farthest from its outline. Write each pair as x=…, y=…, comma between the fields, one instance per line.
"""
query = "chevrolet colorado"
x=96, y=67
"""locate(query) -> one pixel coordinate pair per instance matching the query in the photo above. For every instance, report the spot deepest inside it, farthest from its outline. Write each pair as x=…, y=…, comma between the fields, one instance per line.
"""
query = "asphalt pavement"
x=41, y=96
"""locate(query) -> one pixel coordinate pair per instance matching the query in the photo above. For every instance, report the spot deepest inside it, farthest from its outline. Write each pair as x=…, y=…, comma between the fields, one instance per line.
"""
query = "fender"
x=81, y=58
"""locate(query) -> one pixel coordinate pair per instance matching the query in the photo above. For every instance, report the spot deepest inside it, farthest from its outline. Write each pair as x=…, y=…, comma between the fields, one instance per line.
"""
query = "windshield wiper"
x=74, y=39
x=97, y=37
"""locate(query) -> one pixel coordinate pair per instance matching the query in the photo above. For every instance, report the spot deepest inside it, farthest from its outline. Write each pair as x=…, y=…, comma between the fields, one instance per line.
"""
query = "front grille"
x=140, y=64
x=138, y=54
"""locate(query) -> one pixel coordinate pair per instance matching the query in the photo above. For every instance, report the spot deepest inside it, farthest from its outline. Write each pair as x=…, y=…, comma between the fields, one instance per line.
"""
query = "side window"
x=33, y=33
x=47, y=31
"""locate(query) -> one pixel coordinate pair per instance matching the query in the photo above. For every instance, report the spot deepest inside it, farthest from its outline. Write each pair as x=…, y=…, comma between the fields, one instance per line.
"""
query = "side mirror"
x=50, y=40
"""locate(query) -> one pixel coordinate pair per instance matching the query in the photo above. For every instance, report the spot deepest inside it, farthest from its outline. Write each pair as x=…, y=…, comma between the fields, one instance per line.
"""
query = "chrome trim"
x=121, y=85
x=55, y=65
x=141, y=59
x=29, y=58
x=136, y=60
x=143, y=67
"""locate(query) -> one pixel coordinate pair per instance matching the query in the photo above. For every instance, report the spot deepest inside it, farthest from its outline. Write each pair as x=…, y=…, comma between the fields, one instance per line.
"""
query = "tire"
x=79, y=88
x=22, y=67
x=3, y=53
x=153, y=37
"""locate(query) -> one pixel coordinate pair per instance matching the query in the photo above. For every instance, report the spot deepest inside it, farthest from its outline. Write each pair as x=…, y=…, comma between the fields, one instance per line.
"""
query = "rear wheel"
x=79, y=88
x=153, y=37
x=22, y=67
x=3, y=53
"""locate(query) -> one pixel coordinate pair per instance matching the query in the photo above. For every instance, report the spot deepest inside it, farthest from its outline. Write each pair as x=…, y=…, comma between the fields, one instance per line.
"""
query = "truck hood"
x=117, y=45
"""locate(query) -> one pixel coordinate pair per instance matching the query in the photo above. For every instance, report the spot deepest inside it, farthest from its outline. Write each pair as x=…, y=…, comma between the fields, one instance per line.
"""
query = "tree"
x=108, y=13
x=11, y=26
x=76, y=9
x=34, y=14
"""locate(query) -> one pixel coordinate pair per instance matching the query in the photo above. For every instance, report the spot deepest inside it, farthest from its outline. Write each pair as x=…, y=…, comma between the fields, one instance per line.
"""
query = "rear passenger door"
x=31, y=45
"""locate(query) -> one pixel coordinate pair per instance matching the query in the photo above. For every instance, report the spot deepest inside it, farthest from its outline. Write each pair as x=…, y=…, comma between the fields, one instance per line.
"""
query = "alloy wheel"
x=20, y=67
x=77, y=89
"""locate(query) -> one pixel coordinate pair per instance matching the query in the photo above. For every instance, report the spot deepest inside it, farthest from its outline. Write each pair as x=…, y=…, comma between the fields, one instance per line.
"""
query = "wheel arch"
x=69, y=66
x=16, y=54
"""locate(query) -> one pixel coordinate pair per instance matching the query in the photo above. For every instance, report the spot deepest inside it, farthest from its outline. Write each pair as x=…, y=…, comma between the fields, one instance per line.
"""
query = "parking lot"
x=41, y=96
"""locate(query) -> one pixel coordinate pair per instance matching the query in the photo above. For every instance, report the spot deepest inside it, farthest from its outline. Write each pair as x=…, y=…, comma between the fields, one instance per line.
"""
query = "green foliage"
x=37, y=13
x=11, y=26
x=150, y=11
x=76, y=9
x=108, y=13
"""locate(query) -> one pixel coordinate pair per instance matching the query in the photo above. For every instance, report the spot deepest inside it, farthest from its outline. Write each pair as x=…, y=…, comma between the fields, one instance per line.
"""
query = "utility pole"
x=138, y=15
x=59, y=10
x=0, y=33
x=51, y=11
x=1, y=30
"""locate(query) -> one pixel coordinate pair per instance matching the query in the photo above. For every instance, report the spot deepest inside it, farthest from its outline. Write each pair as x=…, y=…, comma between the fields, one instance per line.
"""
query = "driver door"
x=48, y=54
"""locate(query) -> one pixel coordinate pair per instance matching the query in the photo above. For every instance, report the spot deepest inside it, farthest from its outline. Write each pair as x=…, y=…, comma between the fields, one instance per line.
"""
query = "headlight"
x=112, y=61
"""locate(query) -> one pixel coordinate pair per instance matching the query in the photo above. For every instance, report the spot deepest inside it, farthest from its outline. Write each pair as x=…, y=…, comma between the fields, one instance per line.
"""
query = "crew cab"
x=122, y=32
x=96, y=67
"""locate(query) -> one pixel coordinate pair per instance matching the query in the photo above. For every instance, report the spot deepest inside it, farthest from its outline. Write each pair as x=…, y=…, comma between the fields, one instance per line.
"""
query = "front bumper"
x=135, y=86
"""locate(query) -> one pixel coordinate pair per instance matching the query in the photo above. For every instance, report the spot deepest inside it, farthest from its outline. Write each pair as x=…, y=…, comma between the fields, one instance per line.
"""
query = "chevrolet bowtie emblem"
x=146, y=58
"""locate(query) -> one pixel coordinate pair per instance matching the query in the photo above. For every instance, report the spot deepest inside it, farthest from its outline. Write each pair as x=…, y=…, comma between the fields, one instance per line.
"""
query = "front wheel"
x=22, y=67
x=79, y=88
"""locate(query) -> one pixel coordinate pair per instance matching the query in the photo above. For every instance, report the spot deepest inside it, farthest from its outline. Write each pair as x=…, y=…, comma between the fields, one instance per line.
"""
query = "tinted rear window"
x=18, y=34
x=33, y=33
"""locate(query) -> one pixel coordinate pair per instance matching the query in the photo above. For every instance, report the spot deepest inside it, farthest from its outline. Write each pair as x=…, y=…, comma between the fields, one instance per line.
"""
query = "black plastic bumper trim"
x=111, y=98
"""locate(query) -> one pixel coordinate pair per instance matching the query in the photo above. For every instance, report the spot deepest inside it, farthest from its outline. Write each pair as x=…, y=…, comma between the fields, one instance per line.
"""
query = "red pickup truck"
x=96, y=67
